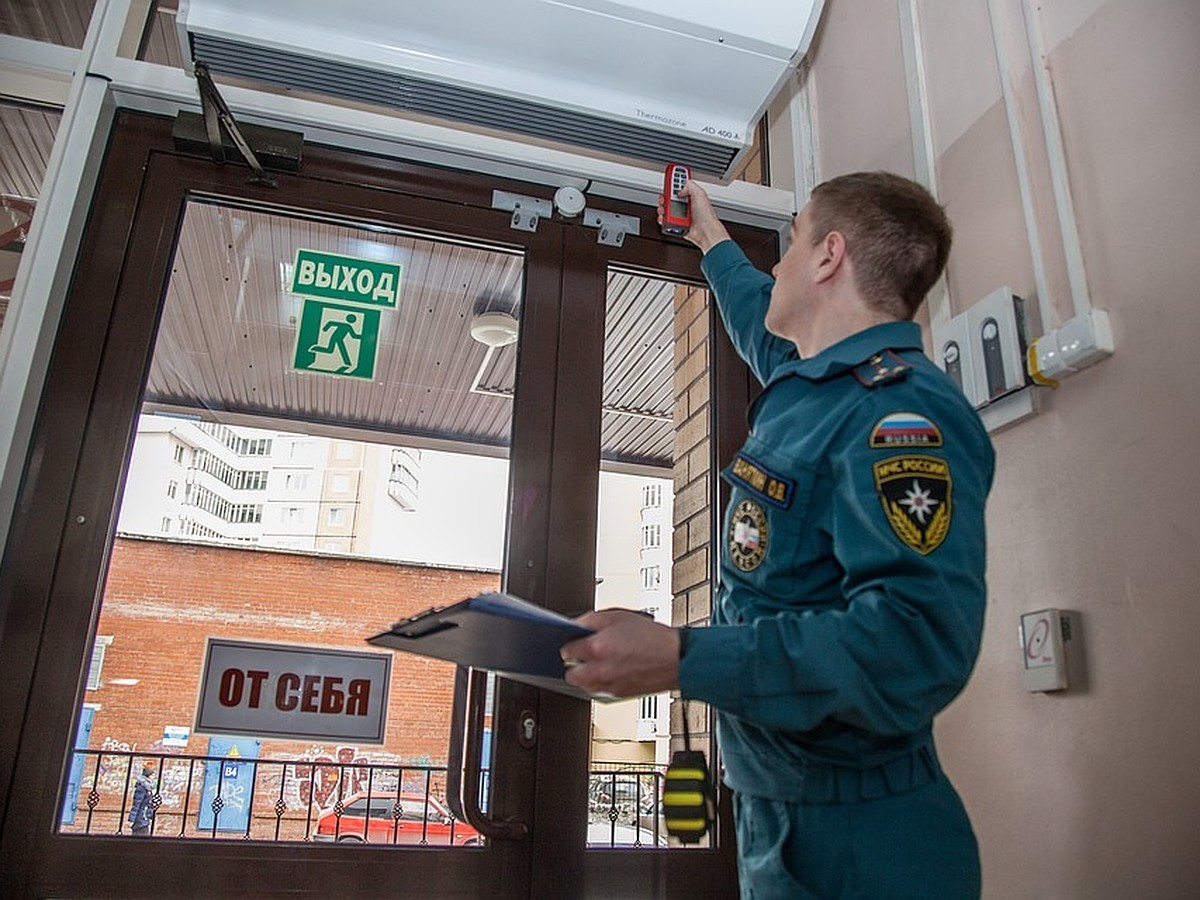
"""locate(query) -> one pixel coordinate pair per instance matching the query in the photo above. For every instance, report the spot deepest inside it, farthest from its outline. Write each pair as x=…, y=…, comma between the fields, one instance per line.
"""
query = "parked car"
x=617, y=791
x=607, y=834
x=407, y=819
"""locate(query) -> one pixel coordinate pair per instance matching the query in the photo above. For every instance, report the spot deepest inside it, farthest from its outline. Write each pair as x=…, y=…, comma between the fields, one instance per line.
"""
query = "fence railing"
x=278, y=800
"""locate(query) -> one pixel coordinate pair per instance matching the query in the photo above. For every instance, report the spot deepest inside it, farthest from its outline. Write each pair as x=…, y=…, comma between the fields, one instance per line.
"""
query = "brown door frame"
x=62, y=531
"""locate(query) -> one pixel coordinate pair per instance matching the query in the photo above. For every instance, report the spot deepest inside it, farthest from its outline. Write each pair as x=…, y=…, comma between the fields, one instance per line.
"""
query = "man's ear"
x=831, y=255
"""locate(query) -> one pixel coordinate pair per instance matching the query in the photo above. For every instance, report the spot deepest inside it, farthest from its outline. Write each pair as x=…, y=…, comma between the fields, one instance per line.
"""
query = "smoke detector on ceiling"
x=494, y=329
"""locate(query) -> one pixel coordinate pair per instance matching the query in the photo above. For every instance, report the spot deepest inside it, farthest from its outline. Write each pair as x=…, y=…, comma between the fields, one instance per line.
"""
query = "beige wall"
x=1092, y=793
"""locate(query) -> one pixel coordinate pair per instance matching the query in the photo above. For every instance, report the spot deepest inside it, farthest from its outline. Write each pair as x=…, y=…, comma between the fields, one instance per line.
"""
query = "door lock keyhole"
x=528, y=732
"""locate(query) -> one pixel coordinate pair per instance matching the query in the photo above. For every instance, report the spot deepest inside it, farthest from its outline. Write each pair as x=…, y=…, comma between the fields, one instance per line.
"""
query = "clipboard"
x=496, y=632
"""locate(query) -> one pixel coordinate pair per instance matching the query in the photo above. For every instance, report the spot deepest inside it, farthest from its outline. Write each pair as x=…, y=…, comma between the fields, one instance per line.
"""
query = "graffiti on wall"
x=327, y=775
x=314, y=779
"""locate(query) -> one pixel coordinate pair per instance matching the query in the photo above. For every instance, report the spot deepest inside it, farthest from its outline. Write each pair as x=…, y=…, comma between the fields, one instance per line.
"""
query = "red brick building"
x=163, y=599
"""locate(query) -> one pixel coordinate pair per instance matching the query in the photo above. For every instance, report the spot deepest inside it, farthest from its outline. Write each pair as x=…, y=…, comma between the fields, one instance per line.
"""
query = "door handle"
x=466, y=759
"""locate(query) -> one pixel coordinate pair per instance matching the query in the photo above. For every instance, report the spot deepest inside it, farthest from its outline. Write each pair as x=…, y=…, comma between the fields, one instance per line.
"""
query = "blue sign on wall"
x=71, y=797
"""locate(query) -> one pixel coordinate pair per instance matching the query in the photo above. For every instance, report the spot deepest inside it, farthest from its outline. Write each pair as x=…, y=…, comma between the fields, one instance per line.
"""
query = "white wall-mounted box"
x=996, y=334
x=952, y=353
x=1048, y=637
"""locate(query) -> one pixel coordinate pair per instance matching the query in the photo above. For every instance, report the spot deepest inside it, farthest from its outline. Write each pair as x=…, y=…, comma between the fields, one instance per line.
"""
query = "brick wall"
x=162, y=600
x=690, y=574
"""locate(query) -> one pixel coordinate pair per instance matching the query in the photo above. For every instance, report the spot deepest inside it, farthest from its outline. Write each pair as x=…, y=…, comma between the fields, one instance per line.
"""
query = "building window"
x=649, y=708
x=251, y=481
x=224, y=509
x=340, y=483
x=242, y=446
x=651, y=536
x=651, y=496
x=172, y=489
x=242, y=513
x=166, y=525
x=296, y=481
x=179, y=454
x=337, y=515
x=97, y=664
x=238, y=479
x=404, y=479
x=345, y=451
x=651, y=577
x=292, y=515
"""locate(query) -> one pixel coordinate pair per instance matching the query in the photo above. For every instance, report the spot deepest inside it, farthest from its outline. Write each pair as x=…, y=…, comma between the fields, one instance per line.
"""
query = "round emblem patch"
x=748, y=536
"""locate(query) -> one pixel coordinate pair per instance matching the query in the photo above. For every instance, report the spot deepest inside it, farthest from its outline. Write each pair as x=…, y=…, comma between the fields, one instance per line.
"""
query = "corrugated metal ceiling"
x=225, y=347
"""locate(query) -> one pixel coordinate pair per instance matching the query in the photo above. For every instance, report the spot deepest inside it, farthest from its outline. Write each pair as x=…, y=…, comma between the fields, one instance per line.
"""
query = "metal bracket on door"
x=525, y=210
x=464, y=768
x=613, y=226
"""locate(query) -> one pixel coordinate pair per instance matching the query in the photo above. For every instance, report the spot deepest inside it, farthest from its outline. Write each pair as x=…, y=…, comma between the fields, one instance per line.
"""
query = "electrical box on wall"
x=983, y=349
x=1047, y=638
x=952, y=352
x=996, y=325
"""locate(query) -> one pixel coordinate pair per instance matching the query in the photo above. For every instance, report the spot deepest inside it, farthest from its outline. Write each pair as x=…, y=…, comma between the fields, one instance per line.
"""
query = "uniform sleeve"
x=907, y=530
x=743, y=293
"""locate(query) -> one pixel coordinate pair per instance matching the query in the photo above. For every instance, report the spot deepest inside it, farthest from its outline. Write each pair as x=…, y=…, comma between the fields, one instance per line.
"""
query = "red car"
x=407, y=819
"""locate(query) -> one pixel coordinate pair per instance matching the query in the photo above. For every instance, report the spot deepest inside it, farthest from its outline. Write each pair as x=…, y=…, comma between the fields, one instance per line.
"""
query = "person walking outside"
x=141, y=810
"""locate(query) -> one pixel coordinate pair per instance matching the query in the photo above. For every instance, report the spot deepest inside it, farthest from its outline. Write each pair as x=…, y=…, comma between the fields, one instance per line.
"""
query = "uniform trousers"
x=917, y=844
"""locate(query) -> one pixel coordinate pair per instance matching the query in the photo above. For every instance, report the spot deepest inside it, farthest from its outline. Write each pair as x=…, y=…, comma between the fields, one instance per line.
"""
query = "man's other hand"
x=628, y=655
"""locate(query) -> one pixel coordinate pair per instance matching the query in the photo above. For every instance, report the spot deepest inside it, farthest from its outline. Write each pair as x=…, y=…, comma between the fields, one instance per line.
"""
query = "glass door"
x=321, y=449
x=279, y=420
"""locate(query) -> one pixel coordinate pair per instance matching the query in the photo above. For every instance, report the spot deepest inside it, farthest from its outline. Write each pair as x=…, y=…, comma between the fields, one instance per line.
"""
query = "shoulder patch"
x=915, y=493
x=880, y=369
x=905, y=429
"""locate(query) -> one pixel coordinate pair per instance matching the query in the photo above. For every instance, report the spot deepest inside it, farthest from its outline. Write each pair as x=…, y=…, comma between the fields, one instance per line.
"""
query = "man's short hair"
x=897, y=236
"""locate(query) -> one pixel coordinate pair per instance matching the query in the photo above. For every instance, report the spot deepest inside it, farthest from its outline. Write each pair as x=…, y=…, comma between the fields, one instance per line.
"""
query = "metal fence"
x=277, y=800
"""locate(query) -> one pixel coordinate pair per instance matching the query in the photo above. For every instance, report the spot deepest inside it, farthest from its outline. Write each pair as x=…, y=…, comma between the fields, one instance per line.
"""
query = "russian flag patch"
x=905, y=429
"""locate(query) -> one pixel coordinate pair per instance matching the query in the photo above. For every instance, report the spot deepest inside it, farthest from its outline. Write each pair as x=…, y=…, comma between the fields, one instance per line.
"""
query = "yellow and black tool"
x=689, y=805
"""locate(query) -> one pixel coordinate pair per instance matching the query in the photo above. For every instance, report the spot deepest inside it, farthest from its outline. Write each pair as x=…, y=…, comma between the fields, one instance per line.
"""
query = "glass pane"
x=161, y=41
x=62, y=22
x=322, y=451
x=653, y=533
x=28, y=137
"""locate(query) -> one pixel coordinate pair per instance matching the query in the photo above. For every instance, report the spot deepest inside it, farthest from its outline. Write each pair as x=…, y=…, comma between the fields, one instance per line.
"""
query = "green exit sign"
x=349, y=279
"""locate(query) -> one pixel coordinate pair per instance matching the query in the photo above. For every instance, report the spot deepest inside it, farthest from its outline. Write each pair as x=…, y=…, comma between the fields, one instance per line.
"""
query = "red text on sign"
x=303, y=693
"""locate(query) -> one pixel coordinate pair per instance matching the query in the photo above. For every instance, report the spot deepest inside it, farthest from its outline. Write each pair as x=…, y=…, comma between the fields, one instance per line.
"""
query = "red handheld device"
x=677, y=211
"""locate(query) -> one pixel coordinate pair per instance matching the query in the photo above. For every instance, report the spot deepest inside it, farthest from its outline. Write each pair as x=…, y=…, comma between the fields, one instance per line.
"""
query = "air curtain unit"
x=655, y=81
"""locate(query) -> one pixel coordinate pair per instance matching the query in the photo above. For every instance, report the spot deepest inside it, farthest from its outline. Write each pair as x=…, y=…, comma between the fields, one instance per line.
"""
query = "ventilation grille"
x=446, y=101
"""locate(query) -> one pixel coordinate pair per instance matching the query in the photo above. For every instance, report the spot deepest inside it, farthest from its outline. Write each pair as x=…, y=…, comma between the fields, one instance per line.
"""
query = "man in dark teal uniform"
x=851, y=600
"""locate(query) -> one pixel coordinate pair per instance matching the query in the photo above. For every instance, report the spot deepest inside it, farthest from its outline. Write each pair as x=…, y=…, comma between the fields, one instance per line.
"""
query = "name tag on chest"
x=776, y=489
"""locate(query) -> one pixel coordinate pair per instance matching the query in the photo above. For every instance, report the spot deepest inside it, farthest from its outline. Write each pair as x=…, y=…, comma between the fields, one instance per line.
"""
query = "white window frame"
x=651, y=577
x=651, y=536
x=96, y=664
